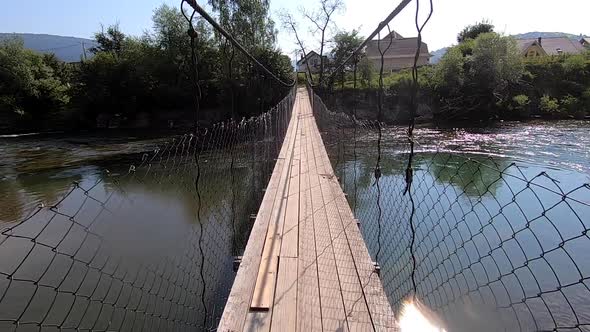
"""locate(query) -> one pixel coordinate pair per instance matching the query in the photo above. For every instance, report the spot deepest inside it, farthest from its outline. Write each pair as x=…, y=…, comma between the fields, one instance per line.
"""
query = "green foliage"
x=520, y=101
x=248, y=21
x=549, y=106
x=572, y=106
x=474, y=80
x=496, y=60
x=473, y=31
x=109, y=41
x=31, y=85
x=520, y=106
x=150, y=74
x=449, y=74
x=366, y=72
x=344, y=44
x=486, y=78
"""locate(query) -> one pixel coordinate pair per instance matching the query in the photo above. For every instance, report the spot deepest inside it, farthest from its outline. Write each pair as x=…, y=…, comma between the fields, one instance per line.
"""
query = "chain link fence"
x=499, y=245
x=107, y=256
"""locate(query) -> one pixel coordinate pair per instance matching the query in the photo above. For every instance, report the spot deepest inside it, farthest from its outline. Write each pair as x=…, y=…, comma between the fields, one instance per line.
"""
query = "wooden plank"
x=262, y=298
x=322, y=278
x=382, y=315
x=238, y=303
x=357, y=313
x=284, y=317
x=290, y=240
x=332, y=308
x=263, y=294
x=265, y=282
x=257, y=321
x=308, y=295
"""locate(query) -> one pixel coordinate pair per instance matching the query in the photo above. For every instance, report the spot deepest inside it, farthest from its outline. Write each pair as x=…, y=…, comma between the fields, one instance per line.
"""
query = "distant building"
x=398, y=52
x=313, y=60
x=585, y=41
x=549, y=46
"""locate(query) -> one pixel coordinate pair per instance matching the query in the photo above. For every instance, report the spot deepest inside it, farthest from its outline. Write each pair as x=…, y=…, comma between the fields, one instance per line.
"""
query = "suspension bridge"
x=302, y=218
x=306, y=266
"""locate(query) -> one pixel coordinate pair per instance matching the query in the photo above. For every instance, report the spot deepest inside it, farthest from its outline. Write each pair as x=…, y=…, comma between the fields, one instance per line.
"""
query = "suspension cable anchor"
x=237, y=262
x=377, y=268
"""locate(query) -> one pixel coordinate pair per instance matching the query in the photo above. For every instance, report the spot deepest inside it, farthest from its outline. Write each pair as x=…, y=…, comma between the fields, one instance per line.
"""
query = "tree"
x=495, y=64
x=478, y=85
x=29, y=85
x=321, y=20
x=344, y=44
x=110, y=40
x=291, y=24
x=449, y=74
x=366, y=71
x=248, y=21
x=472, y=31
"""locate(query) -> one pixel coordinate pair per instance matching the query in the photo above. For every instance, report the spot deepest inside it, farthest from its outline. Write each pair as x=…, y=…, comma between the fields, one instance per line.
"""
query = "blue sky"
x=82, y=18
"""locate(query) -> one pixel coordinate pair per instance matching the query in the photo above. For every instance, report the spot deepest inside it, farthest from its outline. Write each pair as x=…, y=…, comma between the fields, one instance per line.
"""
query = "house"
x=398, y=52
x=585, y=41
x=313, y=60
x=549, y=46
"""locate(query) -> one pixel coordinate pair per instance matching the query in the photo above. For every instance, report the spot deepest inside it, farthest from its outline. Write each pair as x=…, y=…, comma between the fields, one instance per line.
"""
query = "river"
x=500, y=217
x=464, y=178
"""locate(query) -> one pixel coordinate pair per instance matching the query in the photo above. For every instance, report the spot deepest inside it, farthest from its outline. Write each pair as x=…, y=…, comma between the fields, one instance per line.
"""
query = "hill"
x=437, y=55
x=68, y=49
x=537, y=34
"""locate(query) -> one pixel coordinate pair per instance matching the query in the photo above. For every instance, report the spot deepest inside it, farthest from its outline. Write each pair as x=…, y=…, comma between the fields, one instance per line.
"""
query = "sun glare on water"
x=415, y=317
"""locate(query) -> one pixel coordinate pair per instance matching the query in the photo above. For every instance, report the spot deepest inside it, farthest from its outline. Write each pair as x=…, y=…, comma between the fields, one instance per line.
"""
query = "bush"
x=549, y=106
x=573, y=107
x=520, y=104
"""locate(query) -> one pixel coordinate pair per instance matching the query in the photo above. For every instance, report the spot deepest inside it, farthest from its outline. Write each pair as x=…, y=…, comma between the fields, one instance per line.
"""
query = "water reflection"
x=500, y=242
x=125, y=249
x=21, y=195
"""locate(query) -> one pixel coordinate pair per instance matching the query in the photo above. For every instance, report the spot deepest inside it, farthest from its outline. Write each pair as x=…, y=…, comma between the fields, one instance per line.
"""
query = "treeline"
x=483, y=78
x=148, y=80
x=488, y=78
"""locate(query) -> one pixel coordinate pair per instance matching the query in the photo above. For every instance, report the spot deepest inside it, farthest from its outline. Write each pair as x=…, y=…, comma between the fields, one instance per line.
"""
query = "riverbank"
x=363, y=103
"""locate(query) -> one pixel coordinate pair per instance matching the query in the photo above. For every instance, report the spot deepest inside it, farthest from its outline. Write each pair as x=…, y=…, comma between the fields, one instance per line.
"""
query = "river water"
x=473, y=190
x=500, y=217
x=113, y=234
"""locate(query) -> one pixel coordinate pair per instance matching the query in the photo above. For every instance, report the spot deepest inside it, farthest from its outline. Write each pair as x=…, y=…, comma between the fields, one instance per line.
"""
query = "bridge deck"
x=306, y=266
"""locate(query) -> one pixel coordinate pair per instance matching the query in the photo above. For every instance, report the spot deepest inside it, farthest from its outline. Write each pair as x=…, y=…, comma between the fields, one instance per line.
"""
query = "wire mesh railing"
x=107, y=256
x=498, y=244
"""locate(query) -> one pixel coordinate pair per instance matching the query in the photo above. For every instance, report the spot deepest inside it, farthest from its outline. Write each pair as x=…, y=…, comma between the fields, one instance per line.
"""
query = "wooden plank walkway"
x=306, y=266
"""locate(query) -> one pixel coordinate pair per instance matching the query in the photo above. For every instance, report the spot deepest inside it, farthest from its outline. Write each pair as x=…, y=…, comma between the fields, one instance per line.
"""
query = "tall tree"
x=472, y=31
x=345, y=43
x=29, y=85
x=292, y=25
x=248, y=21
x=478, y=84
x=110, y=40
x=321, y=20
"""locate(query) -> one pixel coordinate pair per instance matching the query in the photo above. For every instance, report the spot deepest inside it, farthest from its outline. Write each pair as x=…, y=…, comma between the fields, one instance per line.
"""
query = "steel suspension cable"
x=222, y=31
x=197, y=98
x=413, y=111
x=375, y=32
x=354, y=121
x=377, y=172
